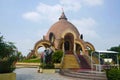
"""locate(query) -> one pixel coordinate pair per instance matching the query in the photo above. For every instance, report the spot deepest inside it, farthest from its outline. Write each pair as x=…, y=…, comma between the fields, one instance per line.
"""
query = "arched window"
x=81, y=37
x=51, y=37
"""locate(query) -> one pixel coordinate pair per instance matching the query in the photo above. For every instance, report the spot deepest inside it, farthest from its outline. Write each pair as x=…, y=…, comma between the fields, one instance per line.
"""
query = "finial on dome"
x=62, y=15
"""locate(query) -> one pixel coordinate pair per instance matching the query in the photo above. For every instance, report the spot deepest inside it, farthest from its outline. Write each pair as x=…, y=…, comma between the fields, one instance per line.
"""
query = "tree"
x=117, y=49
x=19, y=55
x=7, y=56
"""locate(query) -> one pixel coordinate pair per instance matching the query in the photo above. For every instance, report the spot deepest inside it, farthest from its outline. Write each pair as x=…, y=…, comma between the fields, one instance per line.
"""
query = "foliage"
x=113, y=74
x=117, y=49
x=89, y=52
x=47, y=66
x=20, y=57
x=50, y=59
x=57, y=56
x=46, y=59
x=7, y=56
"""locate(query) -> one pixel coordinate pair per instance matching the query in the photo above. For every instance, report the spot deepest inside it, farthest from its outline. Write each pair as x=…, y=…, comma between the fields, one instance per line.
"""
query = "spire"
x=63, y=15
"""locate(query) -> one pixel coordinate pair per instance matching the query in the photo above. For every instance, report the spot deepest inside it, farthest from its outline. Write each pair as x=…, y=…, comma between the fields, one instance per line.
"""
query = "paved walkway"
x=31, y=74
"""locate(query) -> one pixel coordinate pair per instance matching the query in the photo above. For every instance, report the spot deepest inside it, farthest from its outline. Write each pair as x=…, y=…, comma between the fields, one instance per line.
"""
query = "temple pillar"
x=74, y=50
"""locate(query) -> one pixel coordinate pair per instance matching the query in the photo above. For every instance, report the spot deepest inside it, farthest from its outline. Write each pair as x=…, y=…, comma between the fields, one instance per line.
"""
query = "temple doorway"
x=68, y=42
x=67, y=46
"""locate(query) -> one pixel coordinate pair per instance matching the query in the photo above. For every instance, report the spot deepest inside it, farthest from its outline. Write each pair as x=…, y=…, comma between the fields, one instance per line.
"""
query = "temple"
x=63, y=35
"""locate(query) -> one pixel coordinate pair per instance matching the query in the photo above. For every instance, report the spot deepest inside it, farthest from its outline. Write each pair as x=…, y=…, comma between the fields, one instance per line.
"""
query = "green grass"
x=36, y=60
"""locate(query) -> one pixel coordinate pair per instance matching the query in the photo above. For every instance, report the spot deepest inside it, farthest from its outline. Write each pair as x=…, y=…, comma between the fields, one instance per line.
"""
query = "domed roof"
x=62, y=26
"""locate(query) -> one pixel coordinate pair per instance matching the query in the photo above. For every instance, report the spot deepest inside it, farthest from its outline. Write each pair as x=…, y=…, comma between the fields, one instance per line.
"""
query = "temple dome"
x=61, y=27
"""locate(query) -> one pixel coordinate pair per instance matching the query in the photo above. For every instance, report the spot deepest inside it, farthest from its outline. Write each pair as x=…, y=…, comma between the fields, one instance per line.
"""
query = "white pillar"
x=99, y=66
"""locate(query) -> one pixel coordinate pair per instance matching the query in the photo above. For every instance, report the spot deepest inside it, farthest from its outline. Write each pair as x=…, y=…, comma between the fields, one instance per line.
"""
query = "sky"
x=24, y=22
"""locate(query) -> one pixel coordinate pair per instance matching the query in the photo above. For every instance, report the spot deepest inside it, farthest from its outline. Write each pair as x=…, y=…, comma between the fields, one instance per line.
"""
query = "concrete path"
x=31, y=74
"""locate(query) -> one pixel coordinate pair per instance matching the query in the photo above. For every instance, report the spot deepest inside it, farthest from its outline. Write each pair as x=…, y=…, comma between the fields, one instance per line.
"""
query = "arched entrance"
x=41, y=44
x=67, y=45
x=79, y=49
x=68, y=42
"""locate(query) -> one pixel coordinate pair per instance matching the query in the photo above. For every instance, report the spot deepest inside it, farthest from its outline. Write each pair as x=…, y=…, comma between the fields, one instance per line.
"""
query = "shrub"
x=47, y=66
x=57, y=56
x=7, y=56
x=113, y=74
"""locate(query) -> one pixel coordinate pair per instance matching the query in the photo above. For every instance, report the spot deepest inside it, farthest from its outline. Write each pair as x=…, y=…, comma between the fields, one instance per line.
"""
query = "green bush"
x=8, y=56
x=113, y=74
x=47, y=66
x=6, y=66
x=57, y=56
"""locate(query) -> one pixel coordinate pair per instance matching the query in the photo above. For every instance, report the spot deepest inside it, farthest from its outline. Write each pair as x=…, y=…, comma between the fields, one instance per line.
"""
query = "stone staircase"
x=84, y=74
x=70, y=61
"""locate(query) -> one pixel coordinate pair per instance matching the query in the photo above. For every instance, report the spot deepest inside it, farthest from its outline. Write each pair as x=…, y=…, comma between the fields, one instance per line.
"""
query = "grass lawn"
x=36, y=60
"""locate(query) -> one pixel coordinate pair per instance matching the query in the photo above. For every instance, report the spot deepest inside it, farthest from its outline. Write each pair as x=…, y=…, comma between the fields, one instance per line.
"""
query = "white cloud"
x=42, y=8
x=86, y=26
x=32, y=16
x=51, y=12
x=71, y=5
x=43, y=12
x=93, y=2
x=85, y=22
x=48, y=12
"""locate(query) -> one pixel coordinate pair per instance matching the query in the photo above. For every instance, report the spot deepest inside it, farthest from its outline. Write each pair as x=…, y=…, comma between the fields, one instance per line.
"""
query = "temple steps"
x=86, y=75
x=70, y=61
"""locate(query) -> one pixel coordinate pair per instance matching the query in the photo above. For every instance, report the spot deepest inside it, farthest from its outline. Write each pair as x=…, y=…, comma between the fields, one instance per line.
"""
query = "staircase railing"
x=77, y=58
x=88, y=59
x=96, y=56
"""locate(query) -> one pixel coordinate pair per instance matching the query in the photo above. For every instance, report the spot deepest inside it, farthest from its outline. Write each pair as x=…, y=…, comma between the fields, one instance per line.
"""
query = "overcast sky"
x=24, y=22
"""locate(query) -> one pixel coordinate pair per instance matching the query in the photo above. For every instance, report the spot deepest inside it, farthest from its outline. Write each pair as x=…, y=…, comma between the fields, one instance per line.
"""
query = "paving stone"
x=32, y=74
